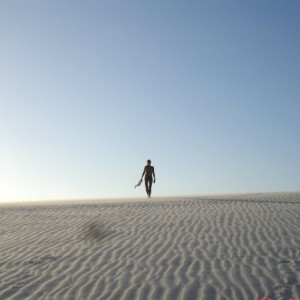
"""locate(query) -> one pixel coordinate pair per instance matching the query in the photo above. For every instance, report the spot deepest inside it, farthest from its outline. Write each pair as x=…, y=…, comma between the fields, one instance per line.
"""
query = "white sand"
x=217, y=247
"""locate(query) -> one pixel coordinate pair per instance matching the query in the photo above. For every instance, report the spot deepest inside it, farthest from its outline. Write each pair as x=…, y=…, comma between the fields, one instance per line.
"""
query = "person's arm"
x=153, y=175
x=143, y=173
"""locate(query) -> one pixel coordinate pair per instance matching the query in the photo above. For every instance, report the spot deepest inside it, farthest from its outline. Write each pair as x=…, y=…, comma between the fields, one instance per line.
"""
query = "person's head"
x=149, y=162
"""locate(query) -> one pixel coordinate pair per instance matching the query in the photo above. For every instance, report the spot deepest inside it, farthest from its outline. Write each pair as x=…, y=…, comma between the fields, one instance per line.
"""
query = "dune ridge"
x=209, y=247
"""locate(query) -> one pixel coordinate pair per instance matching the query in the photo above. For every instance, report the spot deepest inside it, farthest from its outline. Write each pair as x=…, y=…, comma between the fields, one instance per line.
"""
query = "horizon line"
x=107, y=198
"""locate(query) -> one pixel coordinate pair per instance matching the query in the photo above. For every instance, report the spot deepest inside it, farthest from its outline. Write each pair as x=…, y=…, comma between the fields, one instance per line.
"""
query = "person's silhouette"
x=149, y=171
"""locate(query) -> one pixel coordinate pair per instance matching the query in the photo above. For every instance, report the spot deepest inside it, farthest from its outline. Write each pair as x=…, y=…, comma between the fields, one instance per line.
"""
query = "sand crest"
x=216, y=247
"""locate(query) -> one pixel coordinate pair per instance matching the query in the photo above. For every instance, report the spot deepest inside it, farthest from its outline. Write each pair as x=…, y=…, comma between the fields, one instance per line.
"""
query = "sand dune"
x=215, y=247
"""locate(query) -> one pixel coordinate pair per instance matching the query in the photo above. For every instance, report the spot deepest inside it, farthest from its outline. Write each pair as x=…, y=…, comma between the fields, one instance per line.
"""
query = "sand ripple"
x=217, y=247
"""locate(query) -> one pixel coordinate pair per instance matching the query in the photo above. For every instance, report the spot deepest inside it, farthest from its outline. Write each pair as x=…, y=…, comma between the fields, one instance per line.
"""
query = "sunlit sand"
x=207, y=247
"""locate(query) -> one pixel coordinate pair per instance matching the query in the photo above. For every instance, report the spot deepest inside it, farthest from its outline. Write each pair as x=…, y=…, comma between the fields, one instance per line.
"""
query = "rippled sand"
x=231, y=247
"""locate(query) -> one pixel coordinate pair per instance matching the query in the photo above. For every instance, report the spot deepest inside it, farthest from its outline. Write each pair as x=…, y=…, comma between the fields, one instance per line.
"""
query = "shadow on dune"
x=96, y=231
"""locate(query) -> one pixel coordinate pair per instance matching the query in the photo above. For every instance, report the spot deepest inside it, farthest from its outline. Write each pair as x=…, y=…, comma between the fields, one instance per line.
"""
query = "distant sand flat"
x=215, y=247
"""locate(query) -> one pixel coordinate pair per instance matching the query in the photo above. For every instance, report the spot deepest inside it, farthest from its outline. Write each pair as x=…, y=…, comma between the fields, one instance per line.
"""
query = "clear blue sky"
x=89, y=90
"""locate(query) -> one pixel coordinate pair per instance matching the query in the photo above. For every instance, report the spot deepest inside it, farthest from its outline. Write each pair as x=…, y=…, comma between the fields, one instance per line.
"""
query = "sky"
x=89, y=90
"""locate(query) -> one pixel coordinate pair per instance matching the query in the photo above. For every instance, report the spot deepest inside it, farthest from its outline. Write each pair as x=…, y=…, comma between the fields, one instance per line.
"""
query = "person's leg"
x=146, y=185
x=150, y=186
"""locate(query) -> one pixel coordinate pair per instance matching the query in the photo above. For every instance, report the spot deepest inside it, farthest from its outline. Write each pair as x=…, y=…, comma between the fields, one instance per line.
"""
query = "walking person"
x=149, y=177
